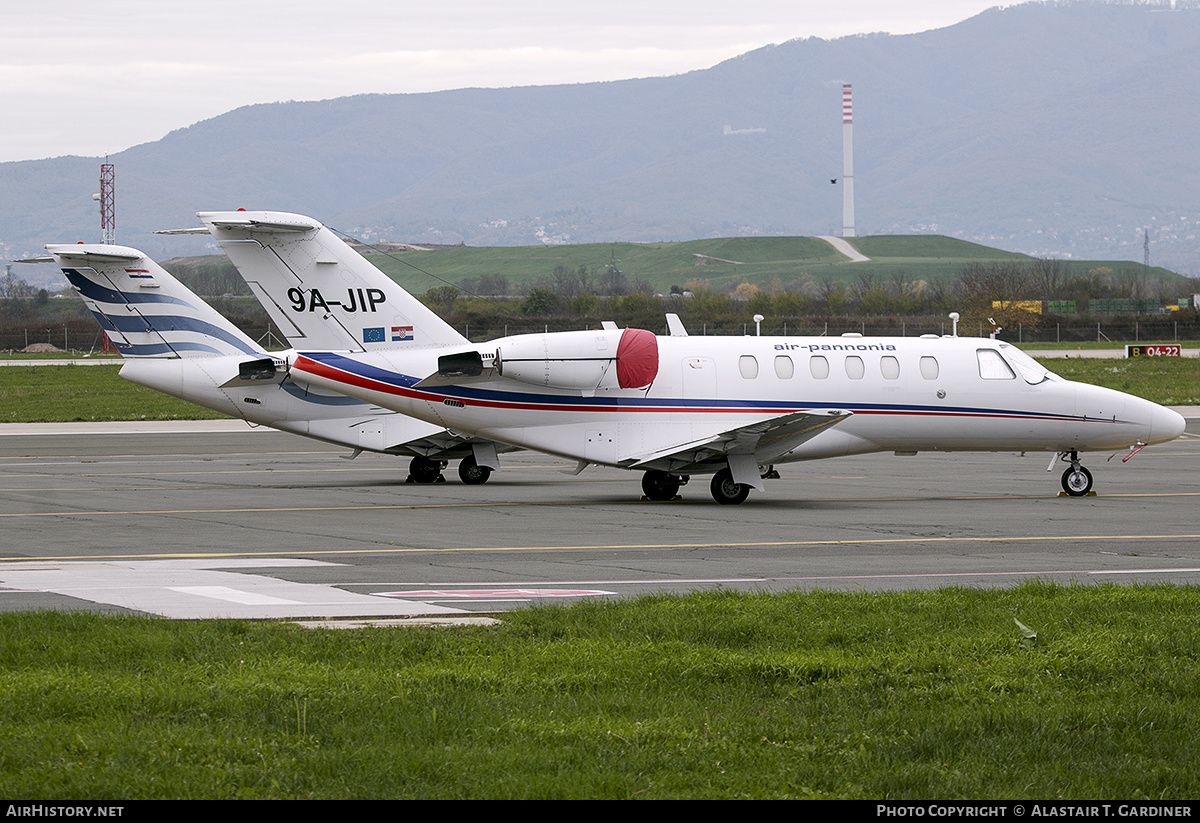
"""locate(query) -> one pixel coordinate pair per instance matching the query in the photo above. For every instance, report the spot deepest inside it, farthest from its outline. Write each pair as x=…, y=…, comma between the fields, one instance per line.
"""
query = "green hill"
x=720, y=262
x=788, y=262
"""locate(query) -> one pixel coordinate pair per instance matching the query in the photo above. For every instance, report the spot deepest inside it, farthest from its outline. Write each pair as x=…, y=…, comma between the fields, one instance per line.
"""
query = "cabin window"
x=992, y=365
x=819, y=367
x=784, y=368
x=748, y=366
x=929, y=368
x=855, y=368
x=890, y=367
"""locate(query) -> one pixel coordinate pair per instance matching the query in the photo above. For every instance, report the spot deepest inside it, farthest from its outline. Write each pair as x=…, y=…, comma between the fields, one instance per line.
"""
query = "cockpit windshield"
x=1031, y=370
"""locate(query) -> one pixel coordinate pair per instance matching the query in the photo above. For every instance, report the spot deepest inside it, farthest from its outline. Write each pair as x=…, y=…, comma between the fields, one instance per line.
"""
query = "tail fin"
x=143, y=310
x=320, y=292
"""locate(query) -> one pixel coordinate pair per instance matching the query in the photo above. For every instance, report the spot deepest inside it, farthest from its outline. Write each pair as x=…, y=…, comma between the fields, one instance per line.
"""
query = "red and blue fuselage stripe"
x=353, y=372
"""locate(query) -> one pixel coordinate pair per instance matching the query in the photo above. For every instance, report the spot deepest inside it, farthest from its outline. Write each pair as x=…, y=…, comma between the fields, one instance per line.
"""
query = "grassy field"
x=721, y=695
x=64, y=394
x=1171, y=381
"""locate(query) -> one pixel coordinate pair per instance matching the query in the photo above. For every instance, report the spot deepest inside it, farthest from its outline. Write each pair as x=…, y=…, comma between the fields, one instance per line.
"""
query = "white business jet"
x=174, y=342
x=674, y=406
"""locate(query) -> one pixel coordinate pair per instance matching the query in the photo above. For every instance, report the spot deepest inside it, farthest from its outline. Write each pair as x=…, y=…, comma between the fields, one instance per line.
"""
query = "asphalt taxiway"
x=232, y=522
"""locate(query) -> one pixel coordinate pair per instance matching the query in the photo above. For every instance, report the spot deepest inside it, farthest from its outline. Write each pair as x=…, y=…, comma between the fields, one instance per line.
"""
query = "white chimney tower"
x=847, y=163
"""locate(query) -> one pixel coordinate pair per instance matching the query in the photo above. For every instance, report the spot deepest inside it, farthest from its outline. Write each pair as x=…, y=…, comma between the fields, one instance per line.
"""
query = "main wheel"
x=424, y=470
x=659, y=485
x=472, y=473
x=725, y=491
x=1077, y=482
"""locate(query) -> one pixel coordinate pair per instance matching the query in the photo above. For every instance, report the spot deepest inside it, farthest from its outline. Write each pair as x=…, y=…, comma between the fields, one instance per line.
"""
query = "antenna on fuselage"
x=954, y=320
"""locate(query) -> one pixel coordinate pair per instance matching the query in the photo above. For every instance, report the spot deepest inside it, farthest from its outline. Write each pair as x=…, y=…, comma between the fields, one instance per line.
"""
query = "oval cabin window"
x=929, y=368
x=890, y=367
x=819, y=367
x=784, y=368
x=855, y=368
x=748, y=366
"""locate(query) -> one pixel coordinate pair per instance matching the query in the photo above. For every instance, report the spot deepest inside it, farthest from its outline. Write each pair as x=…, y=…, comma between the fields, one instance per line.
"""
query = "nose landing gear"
x=1076, y=480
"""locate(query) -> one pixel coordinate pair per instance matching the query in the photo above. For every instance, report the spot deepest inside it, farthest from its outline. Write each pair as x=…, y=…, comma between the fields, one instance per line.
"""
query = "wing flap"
x=765, y=441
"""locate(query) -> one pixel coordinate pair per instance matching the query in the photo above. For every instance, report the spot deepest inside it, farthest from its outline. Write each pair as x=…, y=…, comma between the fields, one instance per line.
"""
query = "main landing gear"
x=1076, y=480
x=725, y=491
x=658, y=485
x=472, y=473
x=424, y=470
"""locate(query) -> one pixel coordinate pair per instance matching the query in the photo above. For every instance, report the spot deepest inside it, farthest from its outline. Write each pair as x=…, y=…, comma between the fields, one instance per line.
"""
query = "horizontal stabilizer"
x=173, y=232
x=96, y=254
x=278, y=224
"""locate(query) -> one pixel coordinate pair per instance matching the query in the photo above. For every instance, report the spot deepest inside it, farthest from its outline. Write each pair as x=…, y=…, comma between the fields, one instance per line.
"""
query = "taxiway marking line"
x=874, y=541
x=500, y=504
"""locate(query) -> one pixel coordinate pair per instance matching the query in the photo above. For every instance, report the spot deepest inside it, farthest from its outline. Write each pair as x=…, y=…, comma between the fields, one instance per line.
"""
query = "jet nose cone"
x=1165, y=425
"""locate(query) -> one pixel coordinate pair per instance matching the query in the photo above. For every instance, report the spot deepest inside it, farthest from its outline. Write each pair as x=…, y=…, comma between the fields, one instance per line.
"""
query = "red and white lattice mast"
x=108, y=204
x=847, y=162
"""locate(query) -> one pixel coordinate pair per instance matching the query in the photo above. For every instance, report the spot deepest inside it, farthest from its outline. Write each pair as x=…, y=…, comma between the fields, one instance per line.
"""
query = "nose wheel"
x=1076, y=480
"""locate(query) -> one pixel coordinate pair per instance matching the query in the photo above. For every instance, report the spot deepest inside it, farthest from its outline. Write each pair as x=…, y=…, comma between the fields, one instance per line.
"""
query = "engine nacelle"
x=583, y=360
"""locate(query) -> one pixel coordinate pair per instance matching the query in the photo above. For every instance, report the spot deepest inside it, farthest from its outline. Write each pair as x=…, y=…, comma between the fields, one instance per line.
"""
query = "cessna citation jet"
x=174, y=342
x=673, y=406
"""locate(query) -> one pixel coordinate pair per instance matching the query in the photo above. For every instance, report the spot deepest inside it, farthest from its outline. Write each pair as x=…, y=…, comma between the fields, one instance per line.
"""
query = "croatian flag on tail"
x=401, y=333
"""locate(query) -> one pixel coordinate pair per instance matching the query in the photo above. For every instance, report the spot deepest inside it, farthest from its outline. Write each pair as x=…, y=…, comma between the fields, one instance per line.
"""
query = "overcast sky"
x=90, y=77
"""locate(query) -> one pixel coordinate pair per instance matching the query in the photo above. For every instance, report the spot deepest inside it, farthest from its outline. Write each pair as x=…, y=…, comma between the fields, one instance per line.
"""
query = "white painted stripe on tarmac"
x=206, y=588
x=233, y=595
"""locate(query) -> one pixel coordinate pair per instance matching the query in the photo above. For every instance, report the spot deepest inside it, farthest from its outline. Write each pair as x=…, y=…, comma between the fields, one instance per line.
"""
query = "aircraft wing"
x=764, y=442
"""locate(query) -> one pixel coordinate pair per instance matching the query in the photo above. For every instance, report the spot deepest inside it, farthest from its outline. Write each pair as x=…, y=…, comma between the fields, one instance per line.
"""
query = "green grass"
x=1171, y=381
x=63, y=394
x=722, y=695
x=929, y=247
x=60, y=355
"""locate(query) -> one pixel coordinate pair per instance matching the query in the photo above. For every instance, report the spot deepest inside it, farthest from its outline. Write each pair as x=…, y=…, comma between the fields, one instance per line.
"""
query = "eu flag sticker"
x=373, y=335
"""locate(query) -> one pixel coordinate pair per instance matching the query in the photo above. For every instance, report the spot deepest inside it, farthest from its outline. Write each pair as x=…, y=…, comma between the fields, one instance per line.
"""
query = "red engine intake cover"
x=637, y=359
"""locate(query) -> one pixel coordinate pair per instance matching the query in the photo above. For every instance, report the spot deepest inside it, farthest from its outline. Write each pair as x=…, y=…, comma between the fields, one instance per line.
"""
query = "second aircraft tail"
x=143, y=310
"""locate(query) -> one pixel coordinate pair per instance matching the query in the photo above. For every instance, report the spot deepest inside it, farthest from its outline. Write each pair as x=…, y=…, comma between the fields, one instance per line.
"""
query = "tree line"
x=980, y=292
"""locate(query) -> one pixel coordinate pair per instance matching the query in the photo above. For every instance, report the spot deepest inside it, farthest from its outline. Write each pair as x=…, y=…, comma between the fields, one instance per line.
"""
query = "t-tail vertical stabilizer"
x=144, y=311
x=321, y=293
